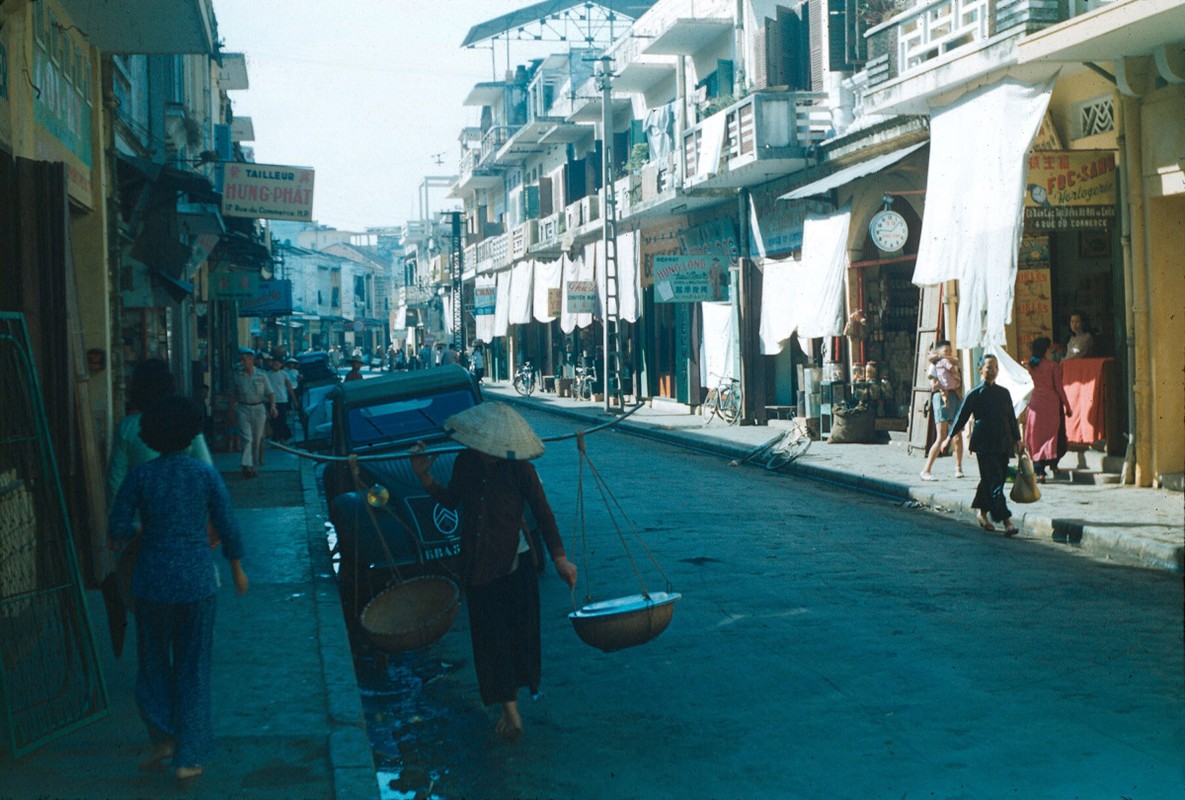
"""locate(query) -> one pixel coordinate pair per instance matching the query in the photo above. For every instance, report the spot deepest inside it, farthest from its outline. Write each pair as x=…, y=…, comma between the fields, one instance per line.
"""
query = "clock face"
x=888, y=230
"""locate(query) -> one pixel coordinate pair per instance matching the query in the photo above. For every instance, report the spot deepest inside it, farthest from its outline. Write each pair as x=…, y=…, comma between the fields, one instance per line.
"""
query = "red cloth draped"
x=1085, y=382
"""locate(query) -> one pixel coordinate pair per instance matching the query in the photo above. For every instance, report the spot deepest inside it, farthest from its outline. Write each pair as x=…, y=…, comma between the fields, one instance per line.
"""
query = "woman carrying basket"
x=492, y=483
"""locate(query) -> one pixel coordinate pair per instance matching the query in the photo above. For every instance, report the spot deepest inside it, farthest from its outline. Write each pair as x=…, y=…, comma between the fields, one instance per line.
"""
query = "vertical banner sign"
x=582, y=297
x=267, y=191
x=1070, y=190
x=554, y=302
x=1033, y=307
x=689, y=279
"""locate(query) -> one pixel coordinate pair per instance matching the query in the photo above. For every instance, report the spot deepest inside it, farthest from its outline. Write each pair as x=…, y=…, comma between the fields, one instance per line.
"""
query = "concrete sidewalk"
x=288, y=718
x=1142, y=527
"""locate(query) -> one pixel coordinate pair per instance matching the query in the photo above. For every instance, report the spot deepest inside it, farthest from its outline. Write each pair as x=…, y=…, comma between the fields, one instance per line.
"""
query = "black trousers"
x=989, y=495
x=504, y=630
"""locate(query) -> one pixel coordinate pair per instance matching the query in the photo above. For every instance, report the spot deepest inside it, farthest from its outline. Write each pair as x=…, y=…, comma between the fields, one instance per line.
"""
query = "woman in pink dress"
x=1045, y=418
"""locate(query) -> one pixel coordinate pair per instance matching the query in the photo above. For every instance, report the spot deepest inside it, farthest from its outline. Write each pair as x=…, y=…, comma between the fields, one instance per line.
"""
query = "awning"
x=849, y=174
x=168, y=27
x=1111, y=32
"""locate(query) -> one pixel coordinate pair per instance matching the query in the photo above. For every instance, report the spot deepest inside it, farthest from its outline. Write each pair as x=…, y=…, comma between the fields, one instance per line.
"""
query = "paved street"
x=828, y=644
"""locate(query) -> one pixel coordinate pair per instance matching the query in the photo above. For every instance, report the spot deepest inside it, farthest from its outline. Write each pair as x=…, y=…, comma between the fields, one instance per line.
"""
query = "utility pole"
x=611, y=347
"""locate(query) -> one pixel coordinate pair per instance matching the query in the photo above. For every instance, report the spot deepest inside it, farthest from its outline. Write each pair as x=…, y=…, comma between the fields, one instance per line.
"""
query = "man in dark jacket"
x=995, y=436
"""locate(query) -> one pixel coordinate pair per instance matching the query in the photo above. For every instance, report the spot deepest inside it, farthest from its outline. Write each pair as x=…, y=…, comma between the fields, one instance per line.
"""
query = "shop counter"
x=1091, y=389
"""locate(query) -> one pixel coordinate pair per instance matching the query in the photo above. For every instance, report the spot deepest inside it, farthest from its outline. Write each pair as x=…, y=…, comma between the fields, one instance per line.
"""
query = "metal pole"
x=611, y=327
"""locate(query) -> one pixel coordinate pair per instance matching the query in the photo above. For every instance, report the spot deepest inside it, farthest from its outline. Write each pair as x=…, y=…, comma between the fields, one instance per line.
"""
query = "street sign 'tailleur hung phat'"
x=267, y=191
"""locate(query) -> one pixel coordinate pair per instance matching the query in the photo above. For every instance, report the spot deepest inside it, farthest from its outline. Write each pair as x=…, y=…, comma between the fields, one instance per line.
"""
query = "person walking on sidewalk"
x=254, y=403
x=945, y=382
x=283, y=391
x=995, y=436
x=493, y=480
x=174, y=583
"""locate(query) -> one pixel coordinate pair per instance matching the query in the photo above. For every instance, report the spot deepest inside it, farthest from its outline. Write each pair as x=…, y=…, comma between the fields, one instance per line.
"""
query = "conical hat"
x=497, y=430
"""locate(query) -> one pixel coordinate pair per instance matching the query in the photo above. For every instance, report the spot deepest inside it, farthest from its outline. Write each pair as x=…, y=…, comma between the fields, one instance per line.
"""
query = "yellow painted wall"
x=1163, y=145
x=1074, y=85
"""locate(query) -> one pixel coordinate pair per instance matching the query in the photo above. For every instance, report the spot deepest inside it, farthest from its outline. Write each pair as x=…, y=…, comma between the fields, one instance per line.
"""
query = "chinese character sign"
x=689, y=279
x=582, y=297
x=1070, y=190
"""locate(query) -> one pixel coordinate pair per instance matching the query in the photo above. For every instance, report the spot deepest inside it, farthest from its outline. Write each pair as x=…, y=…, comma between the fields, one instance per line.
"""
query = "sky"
x=366, y=92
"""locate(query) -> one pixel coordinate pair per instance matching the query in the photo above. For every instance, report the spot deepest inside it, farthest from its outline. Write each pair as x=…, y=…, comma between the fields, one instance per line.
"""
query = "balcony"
x=493, y=254
x=523, y=238
x=478, y=168
x=756, y=139
x=414, y=295
x=937, y=45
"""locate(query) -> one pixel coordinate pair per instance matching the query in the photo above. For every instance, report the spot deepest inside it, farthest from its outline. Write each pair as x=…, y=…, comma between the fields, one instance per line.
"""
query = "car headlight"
x=377, y=496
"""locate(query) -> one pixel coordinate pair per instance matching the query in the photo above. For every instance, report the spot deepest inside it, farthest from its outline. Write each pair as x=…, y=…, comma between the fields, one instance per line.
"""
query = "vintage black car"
x=383, y=518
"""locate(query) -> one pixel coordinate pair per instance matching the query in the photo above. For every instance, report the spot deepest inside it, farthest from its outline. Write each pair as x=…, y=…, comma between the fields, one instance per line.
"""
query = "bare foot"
x=188, y=774
x=161, y=751
x=510, y=724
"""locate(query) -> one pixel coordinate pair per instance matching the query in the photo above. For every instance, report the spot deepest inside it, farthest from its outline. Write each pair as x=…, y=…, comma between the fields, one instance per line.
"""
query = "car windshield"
x=405, y=420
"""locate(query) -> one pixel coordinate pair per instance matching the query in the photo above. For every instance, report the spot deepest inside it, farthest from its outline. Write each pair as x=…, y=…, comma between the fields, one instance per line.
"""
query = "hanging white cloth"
x=400, y=324
x=446, y=308
x=755, y=227
x=628, y=288
x=659, y=126
x=780, y=306
x=549, y=275
x=711, y=144
x=502, y=304
x=716, y=344
x=521, y=297
x=824, y=267
x=1013, y=377
x=578, y=269
x=974, y=205
x=483, y=322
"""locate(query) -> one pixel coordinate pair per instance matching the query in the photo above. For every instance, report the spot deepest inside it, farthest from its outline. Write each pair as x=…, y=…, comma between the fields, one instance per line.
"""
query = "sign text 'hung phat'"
x=267, y=191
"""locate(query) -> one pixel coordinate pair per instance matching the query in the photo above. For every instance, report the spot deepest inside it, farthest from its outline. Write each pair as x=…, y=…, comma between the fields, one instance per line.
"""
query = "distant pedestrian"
x=254, y=402
x=945, y=398
x=995, y=436
x=449, y=355
x=355, y=373
x=494, y=481
x=283, y=392
x=1045, y=418
x=425, y=357
x=438, y=355
x=174, y=583
x=478, y=362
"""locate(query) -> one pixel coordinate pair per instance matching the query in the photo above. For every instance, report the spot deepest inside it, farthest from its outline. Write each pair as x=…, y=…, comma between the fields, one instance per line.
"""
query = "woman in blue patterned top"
x=174, y=583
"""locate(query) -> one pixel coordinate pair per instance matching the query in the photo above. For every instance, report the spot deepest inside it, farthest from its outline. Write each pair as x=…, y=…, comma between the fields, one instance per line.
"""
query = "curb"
x=350, y=756
x=1098, y=540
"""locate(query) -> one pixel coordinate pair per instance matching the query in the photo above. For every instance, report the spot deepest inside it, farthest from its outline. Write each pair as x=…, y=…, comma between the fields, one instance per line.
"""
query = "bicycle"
x=585, y=384
x=526, y=379
x=724, y=401
x=782, y=449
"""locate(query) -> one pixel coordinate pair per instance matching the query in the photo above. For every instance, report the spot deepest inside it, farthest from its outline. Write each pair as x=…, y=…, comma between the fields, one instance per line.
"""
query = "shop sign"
x=582, y=297
x=267, y=191
x=63, y=74
x=554, y=302
x=485, y=299
x=271, y=299
x=1070, y=190
x=233, y=285
x=689, y=279
x=717, y=238
x=1033, y=307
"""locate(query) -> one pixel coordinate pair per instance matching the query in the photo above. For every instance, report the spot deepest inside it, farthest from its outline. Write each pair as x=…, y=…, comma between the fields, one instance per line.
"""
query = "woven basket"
x=411, y=614
x=624, y=622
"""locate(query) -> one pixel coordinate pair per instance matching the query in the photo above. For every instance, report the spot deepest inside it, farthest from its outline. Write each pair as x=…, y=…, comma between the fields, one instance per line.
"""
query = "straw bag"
x=1024, y=486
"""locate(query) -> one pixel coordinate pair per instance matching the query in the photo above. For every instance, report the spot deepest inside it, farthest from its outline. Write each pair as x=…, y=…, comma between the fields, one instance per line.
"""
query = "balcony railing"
x=933, y=29
x=762, y=126
x=414, y=295
x=493, y=253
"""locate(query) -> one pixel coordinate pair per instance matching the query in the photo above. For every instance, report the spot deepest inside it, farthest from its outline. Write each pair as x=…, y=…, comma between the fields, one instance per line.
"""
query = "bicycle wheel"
x=795, y=441
x=710, y=406
x=531, y=382
x=521, y=386
x=729, y=406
